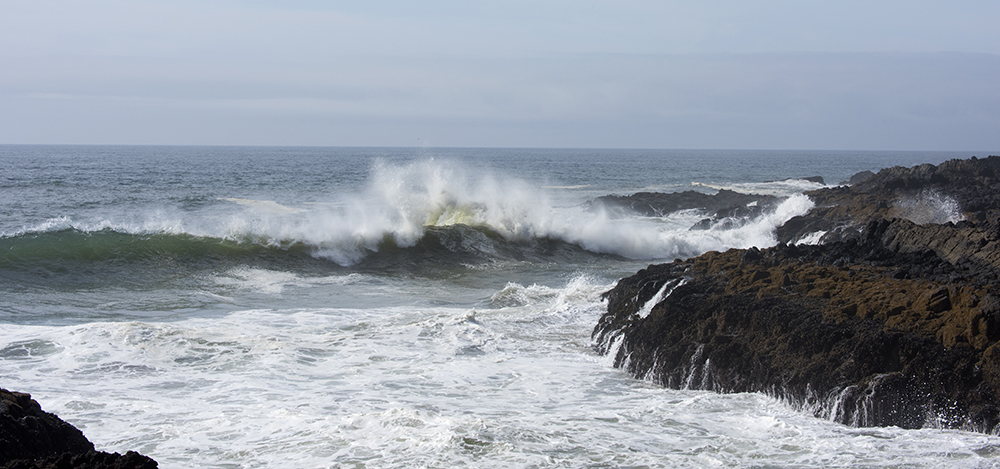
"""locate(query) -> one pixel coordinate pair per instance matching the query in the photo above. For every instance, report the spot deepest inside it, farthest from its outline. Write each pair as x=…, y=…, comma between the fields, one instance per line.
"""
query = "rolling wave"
x=425, y=216
x=109, y=245
x=108, y=255
x=77, y=259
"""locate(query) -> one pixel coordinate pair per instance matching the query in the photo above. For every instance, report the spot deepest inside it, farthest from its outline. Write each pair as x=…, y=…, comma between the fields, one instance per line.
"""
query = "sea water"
x=389, y=307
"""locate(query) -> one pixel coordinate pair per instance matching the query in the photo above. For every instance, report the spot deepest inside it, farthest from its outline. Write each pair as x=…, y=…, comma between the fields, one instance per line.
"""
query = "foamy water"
x=511, y=385
x=370, y=308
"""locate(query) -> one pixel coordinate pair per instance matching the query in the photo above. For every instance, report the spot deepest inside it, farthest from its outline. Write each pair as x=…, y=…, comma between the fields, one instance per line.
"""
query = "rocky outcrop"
x=895, y=321
x=723, y=204
x=35, y=439
x=925, y=194
x=725, y=209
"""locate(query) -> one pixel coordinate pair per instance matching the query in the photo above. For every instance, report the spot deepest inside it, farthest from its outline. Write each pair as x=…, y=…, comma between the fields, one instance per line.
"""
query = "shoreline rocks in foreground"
x=893, y=319
x=31, y=438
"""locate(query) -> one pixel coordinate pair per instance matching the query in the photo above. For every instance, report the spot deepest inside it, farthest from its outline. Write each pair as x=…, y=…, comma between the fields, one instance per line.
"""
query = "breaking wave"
x=415, y=215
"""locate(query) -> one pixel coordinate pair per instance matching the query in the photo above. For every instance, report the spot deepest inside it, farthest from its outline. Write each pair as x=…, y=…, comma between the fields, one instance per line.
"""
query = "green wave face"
x=73, y=258
x=110, y=245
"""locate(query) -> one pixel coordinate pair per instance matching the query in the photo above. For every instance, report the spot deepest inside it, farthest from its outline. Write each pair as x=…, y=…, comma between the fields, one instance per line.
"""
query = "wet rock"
x=33, y=438
x=886, y=321
x=952, y=191
x=726, y=207
x=656, y=204
x=88, y=460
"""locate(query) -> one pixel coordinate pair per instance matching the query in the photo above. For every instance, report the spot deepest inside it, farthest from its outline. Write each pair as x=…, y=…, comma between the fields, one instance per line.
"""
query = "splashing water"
x=929, y=206
x=401, y=201
x=187, y=303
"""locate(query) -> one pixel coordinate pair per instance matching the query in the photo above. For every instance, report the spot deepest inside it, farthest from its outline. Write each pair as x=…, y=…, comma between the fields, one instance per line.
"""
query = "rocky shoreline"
x=892, y=319
x=31, y=438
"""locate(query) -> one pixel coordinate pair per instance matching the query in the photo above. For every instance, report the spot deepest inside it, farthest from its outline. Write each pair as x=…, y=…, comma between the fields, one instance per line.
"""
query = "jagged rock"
x=32, y=438
x=925, y=194
x=892, y=323
x=88, y=460
x=725, y=206
x=656, y=204
x=26, y=431
x=847, y=339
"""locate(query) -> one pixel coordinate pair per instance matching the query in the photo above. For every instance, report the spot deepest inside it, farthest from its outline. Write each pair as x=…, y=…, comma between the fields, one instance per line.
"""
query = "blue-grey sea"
x=252, y=307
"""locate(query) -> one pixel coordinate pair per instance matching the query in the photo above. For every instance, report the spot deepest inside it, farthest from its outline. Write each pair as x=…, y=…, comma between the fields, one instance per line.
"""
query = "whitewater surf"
x=366, y=307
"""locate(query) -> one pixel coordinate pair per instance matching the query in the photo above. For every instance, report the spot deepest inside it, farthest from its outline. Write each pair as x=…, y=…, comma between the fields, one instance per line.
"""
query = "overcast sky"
x=728, y=74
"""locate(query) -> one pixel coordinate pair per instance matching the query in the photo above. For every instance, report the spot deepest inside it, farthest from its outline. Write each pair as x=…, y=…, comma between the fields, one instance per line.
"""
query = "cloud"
x=775, y=74
x=881, y=101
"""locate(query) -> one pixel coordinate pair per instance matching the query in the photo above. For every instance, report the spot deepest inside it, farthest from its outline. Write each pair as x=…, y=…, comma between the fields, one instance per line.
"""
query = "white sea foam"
x=266, y=206
x=642, y=238
x=288, y=362
x=403, y=200
x=274, y=281
x=782, y=188
x=664, y=292
x=811, y=238
x=51, y=224
x=512, y=385
x=153, y=221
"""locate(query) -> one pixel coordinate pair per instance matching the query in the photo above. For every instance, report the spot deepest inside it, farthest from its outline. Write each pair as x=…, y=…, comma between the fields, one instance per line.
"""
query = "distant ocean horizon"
x=268, y=306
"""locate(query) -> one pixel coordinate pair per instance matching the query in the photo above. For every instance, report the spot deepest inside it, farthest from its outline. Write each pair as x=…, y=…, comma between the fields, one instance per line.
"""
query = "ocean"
x=275, y=307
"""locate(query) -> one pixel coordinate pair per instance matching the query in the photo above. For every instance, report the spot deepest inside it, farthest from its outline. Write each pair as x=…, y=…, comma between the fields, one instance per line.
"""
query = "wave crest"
x=420, y=210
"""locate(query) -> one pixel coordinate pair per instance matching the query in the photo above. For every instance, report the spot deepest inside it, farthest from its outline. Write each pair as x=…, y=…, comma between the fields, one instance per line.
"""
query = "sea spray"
x=928, y=206
x=213, y=332
x=401, y=202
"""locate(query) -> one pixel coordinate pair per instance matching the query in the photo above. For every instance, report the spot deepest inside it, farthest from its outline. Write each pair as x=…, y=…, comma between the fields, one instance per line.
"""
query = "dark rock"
x=729, y=207
x=88, y=460
x=888, y=321
x=33, y=438
x=656, y=204
x=26, y=431
x=925, y=194
x=860, y=177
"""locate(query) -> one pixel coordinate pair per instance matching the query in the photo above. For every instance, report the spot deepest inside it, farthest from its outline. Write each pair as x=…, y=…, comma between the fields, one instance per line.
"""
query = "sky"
x=719, y=74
